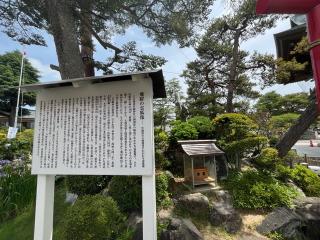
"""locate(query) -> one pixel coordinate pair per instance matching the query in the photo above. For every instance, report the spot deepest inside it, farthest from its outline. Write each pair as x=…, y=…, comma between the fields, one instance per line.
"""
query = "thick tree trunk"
x=86, y=39
x=233, y=72
x=63, y=28
x=296, y=131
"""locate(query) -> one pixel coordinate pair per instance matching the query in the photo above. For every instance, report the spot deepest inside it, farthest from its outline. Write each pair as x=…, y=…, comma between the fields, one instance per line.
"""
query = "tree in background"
x=237, y=135
x=275, y=104
x=203, y=125
x=10, y=65
x=223, y=72
x=270, y=103
x=280, y=124
x=275, y=113
x=171, y=107
x=75, y=23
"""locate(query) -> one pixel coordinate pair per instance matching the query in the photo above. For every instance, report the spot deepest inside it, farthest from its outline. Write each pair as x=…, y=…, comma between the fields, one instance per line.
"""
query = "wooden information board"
x=95, y=126
x=102, y=129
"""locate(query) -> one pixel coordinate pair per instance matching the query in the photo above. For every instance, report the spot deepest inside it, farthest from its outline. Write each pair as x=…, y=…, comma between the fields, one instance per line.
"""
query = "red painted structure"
x=312, y=9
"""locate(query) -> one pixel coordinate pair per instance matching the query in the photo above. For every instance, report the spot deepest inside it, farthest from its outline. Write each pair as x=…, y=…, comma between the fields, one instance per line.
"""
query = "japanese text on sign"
x=100, y=133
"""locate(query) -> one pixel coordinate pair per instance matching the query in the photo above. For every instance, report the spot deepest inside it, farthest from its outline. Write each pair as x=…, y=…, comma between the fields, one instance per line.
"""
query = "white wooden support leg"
x=44, y=207
x=149, y=208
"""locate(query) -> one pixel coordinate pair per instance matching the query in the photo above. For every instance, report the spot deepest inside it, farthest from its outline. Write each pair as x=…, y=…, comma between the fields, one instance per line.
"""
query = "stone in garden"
x=283, y=220
x=135, y=223
x=71, y=198
x=222, y=196
x=301, y=222
x=196, y=204
x=181, y=229
x=223, y=214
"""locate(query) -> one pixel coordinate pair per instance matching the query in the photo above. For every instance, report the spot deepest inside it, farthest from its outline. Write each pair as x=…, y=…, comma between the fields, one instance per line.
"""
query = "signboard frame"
x=46, y=180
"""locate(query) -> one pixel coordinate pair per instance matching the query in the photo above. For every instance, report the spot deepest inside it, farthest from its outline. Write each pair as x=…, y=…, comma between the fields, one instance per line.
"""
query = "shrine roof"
x=155, y=75
x=200, y=148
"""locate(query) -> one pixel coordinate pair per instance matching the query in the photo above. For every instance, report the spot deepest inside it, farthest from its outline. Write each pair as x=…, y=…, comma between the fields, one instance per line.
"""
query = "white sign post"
x=95, y=126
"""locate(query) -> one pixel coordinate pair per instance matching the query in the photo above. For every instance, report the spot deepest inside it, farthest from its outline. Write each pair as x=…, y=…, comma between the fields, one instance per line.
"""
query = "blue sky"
x=42, y=57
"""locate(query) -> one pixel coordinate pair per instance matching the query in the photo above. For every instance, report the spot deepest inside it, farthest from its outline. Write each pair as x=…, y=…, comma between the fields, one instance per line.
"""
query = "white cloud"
x=46, y=73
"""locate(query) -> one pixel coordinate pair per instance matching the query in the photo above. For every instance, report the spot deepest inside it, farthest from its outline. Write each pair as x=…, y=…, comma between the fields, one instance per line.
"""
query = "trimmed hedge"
x=92, y=218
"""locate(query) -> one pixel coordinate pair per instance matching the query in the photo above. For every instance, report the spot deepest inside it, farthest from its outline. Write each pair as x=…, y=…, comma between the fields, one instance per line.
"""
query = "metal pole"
x=19, y=91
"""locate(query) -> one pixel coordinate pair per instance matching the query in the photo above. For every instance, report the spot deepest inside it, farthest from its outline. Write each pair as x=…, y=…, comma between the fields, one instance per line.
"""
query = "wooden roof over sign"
x=155, y=75
x=200, y=148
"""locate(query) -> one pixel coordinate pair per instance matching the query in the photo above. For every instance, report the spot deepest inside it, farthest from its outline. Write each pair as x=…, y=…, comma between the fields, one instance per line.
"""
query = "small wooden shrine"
x=202, y=160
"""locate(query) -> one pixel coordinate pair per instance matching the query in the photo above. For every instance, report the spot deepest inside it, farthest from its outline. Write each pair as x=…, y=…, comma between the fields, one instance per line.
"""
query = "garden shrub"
x=162, y=187
x=283, y=173
x=247, y=145
x=127, y=192
x=281, y=123
x=93, y=217
x=290, y=158
x=20, y=147
x=237, y=136
x=161, y=139
x=83, y=185
x=161, y=161
x=307, y=180
x=231, y=127
x=182, y=131
x=203, y=125
x=258, y=190
x=268, y=159
x=17, y=191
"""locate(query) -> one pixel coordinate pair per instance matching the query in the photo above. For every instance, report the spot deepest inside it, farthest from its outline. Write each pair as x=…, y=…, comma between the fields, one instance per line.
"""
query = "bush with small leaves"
x=258, y=190
x=307, y=180
x=283, y=173
x=268, y=159
x=127, y=192
x=231, y=127
x=182, y=131
x=203, y=126
x=92, y=218
x=162, y=186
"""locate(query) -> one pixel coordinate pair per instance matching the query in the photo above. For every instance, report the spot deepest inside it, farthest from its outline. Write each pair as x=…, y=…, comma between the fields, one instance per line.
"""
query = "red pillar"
x=313, y=18
x=286, y=6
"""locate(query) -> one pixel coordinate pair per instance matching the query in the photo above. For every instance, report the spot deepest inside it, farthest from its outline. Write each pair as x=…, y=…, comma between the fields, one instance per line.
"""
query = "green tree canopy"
x=231, y=127
x=223, y=72
x=182, y=131
x=281, y=123
x=275, y=104
x=10, y=64
x=203, y=125
x=75, y=23
x=238, y=135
